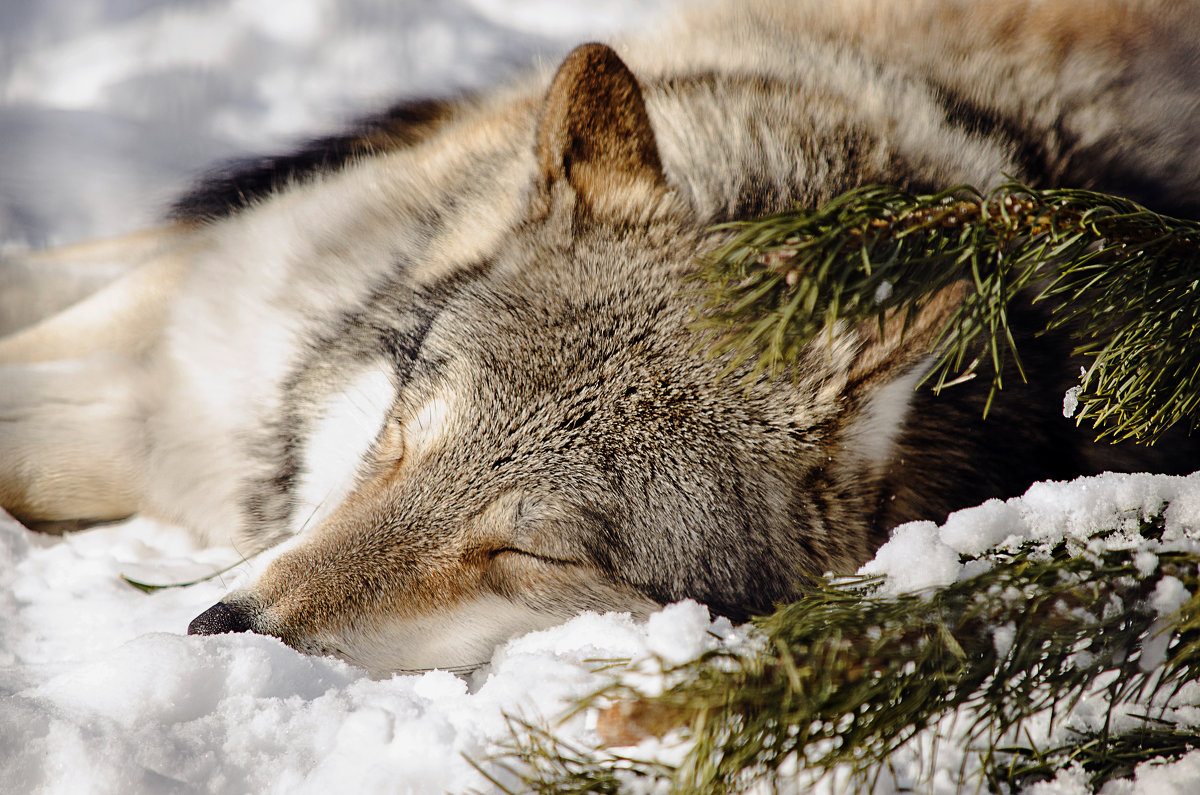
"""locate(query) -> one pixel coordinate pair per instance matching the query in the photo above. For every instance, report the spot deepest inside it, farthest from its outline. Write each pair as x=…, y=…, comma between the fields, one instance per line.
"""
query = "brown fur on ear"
x=594, y=130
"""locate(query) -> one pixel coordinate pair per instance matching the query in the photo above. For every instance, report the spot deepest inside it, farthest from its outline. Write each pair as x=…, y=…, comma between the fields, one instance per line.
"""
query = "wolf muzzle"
x=220, y=619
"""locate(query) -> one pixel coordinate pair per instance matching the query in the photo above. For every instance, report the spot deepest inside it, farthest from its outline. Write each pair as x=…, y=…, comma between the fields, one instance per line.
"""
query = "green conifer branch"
x=1123, y=282
x=1103, y=757
x=848, y=675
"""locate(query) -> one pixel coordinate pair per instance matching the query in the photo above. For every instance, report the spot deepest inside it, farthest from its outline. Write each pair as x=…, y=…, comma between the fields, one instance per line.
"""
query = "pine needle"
x=1122, y=282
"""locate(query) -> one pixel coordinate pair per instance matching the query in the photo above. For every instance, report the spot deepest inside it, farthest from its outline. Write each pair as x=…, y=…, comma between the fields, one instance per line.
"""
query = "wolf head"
x=556, y=440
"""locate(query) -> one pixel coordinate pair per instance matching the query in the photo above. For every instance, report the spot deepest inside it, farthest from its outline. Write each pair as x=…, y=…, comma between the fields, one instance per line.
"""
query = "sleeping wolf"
x=448, y=357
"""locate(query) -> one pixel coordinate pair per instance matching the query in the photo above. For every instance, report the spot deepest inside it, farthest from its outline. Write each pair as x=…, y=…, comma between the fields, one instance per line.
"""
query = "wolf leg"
x=72, y=439
x=37, y=284
x=80, y=290
x=73, y=384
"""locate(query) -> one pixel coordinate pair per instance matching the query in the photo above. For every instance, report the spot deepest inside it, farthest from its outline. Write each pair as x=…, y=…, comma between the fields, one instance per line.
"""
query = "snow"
x=101, y=691
x=923, y=555
x=100, y=687
x=107, y=108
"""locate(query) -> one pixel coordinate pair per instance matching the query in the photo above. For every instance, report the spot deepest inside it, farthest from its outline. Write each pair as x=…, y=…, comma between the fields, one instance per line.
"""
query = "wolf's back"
x=761, y=104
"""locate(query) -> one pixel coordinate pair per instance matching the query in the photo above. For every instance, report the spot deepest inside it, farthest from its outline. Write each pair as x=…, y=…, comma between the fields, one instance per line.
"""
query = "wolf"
x=445, y=365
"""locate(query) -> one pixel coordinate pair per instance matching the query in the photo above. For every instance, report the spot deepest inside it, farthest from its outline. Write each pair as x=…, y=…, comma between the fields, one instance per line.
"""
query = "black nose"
x=221, y=618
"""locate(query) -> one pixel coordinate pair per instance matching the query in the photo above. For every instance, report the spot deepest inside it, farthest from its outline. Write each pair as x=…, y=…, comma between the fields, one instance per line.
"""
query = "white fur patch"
x=873, y=435
x=462, y=636
x=428, y=425
x=347, y=424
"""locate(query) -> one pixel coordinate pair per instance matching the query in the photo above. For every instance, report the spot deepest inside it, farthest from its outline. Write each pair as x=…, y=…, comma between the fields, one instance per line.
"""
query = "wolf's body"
x=450, y=353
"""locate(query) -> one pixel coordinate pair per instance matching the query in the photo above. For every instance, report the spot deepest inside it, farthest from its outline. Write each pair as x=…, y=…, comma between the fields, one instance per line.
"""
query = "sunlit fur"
x=448, y=362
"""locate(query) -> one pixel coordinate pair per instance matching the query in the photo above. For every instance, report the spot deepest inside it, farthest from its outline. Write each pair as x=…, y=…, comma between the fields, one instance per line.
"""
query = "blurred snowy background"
x=109, y=107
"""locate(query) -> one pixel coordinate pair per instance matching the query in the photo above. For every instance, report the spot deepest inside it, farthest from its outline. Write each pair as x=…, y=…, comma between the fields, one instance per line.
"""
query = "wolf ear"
x=594, y=131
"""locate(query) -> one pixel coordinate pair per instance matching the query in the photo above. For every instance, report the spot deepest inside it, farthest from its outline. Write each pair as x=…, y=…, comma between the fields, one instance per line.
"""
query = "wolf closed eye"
x=450, y=357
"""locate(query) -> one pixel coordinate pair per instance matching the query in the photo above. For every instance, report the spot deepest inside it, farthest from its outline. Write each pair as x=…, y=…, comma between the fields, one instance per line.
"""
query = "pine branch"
x=544, y=763
x=847, y=676
x=1122, y=281
x=1103, y=757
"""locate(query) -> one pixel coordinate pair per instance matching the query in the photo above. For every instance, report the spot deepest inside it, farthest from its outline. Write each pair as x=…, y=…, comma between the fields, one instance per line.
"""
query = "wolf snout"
x=221, y=618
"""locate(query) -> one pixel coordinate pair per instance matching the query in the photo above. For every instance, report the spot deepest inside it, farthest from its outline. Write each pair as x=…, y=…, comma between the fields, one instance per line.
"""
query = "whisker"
x=466, y=668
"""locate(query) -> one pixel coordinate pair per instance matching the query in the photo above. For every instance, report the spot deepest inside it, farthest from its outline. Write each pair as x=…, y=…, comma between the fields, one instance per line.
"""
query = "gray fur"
x=518, y=265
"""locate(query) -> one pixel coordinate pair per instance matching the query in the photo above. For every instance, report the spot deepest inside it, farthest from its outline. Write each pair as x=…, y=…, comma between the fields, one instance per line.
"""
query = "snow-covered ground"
x=107, y=107
x=101, y=692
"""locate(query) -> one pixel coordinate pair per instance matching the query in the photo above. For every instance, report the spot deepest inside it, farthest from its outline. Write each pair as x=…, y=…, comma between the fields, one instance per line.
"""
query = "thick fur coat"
x=447, y=359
